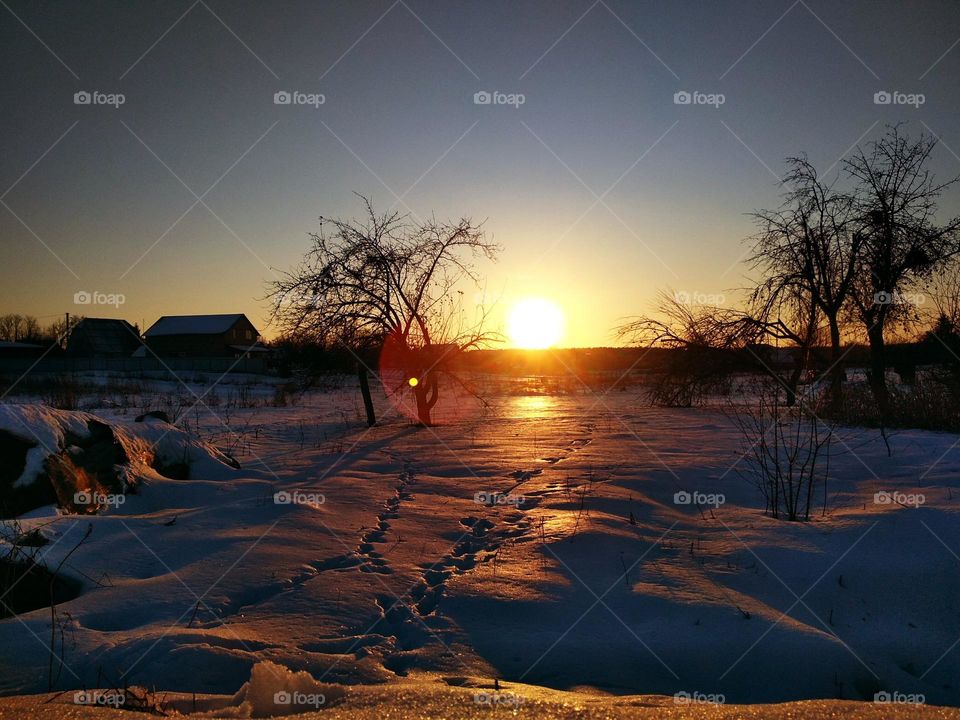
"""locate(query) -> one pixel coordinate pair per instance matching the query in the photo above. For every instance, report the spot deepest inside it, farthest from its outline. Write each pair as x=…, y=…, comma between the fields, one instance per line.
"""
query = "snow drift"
x=82, y=463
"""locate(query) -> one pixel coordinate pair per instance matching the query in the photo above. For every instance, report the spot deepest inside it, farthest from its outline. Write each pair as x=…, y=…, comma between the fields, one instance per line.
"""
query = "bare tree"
x=20, y=328
x=59, y=330
x=808, y=251
x=11, y=327
x=791, y=316
x=896, y=201
x=389, y=281
x=711, y=342
x=943, y=290
x=31, y=329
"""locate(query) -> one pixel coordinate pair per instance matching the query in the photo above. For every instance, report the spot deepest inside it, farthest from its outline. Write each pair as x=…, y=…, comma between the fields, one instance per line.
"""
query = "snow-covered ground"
x=538, y=541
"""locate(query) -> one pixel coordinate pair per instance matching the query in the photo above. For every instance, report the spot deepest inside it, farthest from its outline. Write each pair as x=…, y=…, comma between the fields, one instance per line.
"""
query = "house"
x=103, y=337
x=203, y=336
x=17, y=350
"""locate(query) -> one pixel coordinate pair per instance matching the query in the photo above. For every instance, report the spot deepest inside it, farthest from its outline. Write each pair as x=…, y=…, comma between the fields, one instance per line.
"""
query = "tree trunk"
x=837, y=373
x=365, y=392
x=792, y=383
x=878, y=372
x=426, y=394
x=423, y=407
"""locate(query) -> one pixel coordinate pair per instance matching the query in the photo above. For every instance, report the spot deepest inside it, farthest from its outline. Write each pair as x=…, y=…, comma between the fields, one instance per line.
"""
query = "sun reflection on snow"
x=527, y=407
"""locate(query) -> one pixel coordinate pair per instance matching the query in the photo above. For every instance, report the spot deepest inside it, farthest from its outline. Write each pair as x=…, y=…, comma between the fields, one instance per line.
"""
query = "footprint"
x=435, y=577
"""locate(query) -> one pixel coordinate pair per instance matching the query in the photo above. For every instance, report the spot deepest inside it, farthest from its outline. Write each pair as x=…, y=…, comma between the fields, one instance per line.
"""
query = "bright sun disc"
x=535, y=323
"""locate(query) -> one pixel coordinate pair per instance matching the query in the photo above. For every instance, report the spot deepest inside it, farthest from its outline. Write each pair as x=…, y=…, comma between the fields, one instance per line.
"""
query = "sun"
x=535, y=323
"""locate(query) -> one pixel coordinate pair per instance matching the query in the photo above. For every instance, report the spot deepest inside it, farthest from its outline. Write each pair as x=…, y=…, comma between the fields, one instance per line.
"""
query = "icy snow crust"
x=428, y=698
x=395, y=573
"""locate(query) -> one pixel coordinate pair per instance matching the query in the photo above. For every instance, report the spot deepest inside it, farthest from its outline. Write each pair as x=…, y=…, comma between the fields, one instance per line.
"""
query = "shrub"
x=786, y=453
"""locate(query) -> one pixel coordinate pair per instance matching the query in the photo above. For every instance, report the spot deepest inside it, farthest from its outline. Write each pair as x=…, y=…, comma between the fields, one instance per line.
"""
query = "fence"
x=132, y=366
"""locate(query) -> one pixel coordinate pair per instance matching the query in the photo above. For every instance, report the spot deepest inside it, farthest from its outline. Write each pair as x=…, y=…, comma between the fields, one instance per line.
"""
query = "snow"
x=416, y=699
x=146, y=444
x=274, y=690
x=169, y=445
x=45, y=428
x=400, y=578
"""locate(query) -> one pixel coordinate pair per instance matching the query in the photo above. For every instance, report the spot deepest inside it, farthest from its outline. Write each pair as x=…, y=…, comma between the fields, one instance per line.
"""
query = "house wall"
x=242, y=333
x=83, y=342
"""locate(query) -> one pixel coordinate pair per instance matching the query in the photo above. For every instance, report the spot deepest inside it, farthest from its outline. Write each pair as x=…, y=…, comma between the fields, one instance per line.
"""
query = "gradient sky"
x=105, y=189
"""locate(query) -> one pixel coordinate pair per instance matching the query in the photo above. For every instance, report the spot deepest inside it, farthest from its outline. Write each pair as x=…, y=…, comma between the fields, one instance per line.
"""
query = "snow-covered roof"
x=193, y=324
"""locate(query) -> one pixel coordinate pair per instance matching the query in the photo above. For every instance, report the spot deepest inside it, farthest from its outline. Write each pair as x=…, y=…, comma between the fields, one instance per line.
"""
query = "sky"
x=194, y=189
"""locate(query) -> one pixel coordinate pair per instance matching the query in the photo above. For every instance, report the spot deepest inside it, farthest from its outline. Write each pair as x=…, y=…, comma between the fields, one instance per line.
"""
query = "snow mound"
x=46, y=429
x=276, y=690
x=179, y=454
x=83, y=463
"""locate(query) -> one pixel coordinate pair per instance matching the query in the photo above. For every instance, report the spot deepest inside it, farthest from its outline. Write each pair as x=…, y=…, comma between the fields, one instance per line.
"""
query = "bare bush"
x=63, y=393
x=930, y=403
x=786, y=453
x=709, y=344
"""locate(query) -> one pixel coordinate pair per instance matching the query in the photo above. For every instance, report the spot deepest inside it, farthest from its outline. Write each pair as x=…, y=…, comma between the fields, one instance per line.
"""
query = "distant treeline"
x=904, y=358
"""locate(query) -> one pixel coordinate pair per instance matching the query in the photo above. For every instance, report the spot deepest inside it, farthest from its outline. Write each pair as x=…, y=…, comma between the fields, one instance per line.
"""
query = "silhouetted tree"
x=808, y=251
x=943, y=290
x=896, y=202
x=387, y=279
x=11, y=327
x=712, y=342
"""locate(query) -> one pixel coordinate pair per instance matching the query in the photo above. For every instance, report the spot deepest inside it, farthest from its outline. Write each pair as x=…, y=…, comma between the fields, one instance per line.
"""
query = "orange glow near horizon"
x=535, y=324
